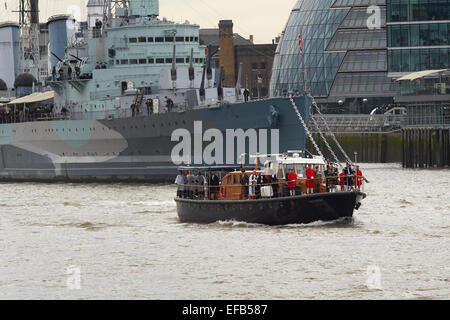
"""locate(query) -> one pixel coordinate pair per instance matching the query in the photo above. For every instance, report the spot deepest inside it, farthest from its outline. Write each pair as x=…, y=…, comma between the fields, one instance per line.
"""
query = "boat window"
x=117, y=61
x=236, y=179
x=179, y=39
x=151, y=60
x=187, y=39
x=133, y=40
x=142, y=39
x=191, y=39
x=159, y=60
x=301, y=171
x=124, y=61
x=142, y=61
x=196, y=39
x=229, y=181
x=169, y=39
x=180, y=60
x=169, y=60
x=159, y=39
x=133, y=61
x=150, y=39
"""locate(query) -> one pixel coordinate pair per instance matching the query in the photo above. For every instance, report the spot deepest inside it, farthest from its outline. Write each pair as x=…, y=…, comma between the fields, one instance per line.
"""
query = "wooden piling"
x=426, y=147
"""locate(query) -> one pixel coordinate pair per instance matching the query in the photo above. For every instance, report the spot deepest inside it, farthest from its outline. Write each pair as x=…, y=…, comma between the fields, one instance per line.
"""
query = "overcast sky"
x=265, y=19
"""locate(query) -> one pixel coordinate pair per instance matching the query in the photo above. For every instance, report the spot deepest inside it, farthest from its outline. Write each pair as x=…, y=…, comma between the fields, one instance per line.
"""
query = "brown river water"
x=123, y=241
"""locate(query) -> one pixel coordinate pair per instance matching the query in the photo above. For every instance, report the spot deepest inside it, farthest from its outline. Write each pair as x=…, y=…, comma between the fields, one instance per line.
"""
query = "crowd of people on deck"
x=27, y=114
x=256, y=185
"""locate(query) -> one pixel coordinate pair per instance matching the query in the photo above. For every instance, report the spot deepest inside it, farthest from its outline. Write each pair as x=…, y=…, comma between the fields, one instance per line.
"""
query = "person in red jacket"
x=359, y=178
x=342, y=179
x=292, y=177
x=310, y=179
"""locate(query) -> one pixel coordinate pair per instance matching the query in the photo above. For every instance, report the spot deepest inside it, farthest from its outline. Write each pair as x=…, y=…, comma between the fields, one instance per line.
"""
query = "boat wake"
x=340, y=223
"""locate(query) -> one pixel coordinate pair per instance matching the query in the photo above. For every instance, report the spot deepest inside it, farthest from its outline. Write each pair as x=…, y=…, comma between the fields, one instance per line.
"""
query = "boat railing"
x=329, y=184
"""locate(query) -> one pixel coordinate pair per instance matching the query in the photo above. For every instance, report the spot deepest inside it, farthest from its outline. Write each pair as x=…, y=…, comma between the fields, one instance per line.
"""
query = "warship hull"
x=138, y=148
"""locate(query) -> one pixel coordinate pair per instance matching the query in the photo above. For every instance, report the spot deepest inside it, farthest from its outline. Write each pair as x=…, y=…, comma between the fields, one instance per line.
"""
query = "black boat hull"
x=280, y=211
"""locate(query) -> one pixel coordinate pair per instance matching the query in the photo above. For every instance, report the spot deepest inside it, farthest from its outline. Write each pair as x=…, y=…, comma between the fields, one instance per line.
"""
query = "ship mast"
x=110, y=7
x=29, y=37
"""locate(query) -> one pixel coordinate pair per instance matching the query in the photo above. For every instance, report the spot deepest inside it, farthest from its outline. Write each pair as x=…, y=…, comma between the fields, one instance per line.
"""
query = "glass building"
x=418, y=35
x=345, y=54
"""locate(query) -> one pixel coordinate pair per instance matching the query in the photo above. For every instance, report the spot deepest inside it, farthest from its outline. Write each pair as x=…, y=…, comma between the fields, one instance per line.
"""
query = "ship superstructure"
x=127, y=52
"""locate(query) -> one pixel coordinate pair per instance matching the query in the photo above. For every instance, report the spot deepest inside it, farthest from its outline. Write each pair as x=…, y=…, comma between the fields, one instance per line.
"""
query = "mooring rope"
x=330, y=132
x=305, y=126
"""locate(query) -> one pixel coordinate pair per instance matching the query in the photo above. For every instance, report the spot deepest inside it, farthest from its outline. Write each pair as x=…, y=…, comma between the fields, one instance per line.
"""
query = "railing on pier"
x=359, y=123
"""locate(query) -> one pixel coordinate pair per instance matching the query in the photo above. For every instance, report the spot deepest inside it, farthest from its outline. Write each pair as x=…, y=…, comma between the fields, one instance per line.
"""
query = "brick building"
x=256, y=59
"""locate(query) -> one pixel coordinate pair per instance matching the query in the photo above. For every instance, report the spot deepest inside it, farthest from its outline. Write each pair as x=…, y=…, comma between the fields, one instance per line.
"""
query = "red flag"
x=300, y=43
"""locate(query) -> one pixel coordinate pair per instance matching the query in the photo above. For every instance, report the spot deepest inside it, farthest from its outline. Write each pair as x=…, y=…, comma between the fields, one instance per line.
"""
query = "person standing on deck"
x=253, y=180
x=274, y=184
x=317, y=181
x=180, y=181
x=149, y=104
x=342, y=180
x=190, y=185
x=292, y=178
x=245, y=184
x=349, y=180
x=246, y=95
x=310, y=178
x=214, y=183
x=201, y=183
x=359, y=178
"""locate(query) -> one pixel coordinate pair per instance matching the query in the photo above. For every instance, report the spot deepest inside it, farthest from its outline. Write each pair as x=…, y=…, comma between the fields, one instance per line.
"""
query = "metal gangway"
x=358, y=123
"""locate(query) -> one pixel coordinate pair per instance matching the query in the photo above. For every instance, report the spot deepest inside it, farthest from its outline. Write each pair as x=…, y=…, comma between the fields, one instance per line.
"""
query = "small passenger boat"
x=275, y=203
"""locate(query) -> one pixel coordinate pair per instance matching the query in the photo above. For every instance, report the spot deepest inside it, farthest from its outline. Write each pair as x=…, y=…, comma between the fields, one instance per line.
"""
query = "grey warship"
x=102, y=128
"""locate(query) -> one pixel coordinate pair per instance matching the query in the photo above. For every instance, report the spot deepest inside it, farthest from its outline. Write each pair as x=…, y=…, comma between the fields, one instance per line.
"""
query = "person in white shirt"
x=253, y=180
x=181, y=181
